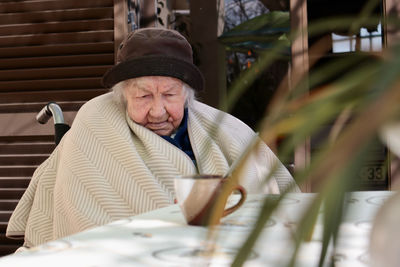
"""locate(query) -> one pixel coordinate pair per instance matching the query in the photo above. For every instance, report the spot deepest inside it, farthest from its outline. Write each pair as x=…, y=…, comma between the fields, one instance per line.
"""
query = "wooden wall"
x=50, y=50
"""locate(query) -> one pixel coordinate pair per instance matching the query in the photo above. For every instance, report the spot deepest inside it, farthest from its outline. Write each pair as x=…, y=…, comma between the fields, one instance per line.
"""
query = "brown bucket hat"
x=155, y=52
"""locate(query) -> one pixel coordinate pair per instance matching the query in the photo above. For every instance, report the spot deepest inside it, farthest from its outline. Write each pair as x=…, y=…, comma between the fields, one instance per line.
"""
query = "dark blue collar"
x=181, y=139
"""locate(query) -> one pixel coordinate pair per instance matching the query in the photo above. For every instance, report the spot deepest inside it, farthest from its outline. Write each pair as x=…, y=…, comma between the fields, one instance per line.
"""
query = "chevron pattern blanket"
x=107, y=168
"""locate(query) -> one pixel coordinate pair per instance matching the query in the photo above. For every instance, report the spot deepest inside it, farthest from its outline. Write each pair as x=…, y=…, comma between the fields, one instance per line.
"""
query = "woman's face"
x=156, y=102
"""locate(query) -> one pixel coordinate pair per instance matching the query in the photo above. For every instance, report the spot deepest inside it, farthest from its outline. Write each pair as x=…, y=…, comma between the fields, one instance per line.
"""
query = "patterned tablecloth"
x=162, y=238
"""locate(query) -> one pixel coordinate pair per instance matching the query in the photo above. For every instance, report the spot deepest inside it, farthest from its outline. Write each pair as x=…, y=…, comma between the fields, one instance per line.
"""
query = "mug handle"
x=243, y=195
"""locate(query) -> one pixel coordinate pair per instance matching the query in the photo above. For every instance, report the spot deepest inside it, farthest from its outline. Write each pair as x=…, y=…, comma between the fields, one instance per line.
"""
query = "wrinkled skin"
x=156, y=102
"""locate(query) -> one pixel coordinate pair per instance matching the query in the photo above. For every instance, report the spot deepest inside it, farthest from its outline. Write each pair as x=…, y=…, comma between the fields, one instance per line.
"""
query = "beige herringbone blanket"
x=108, y=167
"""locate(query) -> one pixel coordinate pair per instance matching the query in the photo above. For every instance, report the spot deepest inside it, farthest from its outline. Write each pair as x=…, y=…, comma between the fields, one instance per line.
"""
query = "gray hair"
x=119, y=92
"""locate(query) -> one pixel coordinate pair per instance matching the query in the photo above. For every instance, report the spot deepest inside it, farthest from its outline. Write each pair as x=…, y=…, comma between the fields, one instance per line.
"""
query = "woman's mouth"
x=157, y=125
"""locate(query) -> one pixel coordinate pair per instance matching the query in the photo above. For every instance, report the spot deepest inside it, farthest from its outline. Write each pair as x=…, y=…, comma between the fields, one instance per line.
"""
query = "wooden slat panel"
x=57, y=38
x=51, y=95
x=26, y=139
x=56, y=15
x=8, y=204
x=37, y=106
x=5, y=215
x=57, y=50
x=50, y=50
x=57, y=61
x=14, y=182
x=12, y=243
x=25, y=123
x=3, y=227
x=55, y=84
x=23, y=159
x=15, y=171
x=51, y=27
x=24, y=6
x=24, y=148
x=52, y=73
x=8, y=245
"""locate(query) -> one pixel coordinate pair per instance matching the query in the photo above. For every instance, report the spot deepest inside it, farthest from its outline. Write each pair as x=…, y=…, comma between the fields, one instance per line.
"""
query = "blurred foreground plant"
x=358, y=104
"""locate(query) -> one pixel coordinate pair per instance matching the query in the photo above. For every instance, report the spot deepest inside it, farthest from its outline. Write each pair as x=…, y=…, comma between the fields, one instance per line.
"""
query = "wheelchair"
x=52, y=109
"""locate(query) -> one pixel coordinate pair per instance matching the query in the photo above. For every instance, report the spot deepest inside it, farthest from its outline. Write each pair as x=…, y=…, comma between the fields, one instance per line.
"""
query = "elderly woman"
x=125, y=148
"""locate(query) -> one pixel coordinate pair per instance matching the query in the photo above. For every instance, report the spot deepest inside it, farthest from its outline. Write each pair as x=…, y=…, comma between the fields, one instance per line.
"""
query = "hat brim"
x=155, y=66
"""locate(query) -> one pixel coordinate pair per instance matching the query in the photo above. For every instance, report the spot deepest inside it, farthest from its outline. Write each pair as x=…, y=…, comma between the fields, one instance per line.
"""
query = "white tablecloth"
x=162, y=238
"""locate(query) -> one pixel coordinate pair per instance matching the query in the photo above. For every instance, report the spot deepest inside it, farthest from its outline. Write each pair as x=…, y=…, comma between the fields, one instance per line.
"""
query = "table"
x=162, y=238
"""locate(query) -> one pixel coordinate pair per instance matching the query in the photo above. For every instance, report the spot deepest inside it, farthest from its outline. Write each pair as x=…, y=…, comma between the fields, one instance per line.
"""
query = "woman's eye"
x=144, y=96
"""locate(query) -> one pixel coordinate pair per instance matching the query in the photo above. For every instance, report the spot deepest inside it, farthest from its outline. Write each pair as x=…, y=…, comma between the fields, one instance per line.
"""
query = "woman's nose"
x=157, y=108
